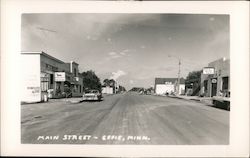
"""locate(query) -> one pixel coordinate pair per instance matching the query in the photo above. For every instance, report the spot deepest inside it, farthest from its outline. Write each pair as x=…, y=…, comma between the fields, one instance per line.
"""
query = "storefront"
x=48, y=78
x=215, y=79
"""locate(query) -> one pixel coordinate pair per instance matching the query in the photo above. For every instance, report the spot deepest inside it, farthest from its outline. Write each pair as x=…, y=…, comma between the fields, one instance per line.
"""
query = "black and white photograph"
x=124, y=79
x=159, y=79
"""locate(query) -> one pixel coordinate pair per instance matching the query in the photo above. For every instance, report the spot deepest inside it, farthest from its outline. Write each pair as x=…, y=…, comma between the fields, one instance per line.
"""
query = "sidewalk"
x=206, y=100
x=71, y=100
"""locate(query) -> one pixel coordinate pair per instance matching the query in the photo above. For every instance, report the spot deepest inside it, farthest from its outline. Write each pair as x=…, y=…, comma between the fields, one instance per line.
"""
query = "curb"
x=206, y=101
x=75, y=101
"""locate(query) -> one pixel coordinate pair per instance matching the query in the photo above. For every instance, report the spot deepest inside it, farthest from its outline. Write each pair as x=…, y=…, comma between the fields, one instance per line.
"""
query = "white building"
x=107, y=90
x=42, y=73
x=169, y=85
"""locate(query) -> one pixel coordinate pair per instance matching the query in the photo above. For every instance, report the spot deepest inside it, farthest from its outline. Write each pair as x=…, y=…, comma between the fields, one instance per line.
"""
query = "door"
x=214, y=87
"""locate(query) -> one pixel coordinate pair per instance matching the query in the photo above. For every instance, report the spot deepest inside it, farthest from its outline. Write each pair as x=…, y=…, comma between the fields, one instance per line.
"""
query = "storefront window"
x=51, y=81
x=74, y=72
x=44, y=84
x=225, y=83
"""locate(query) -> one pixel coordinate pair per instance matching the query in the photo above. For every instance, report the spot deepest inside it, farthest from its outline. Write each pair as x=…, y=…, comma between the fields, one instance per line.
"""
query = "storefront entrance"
x=214, y=87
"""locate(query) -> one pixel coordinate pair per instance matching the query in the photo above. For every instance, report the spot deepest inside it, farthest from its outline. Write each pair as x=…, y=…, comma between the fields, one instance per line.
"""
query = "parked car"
x=221, y=102
x=92, y=95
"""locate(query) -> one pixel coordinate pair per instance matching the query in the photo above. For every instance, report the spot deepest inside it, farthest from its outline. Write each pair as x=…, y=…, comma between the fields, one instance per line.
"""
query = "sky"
x=133, y=49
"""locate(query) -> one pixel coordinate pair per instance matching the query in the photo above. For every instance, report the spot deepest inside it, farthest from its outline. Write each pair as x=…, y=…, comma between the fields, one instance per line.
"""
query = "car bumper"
x=90, y=98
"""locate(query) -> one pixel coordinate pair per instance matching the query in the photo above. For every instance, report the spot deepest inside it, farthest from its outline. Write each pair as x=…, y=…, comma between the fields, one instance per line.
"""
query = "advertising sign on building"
x=208, y=70
x=60, y=76
x=168, y=83
x=31, y=78
x=214, y=80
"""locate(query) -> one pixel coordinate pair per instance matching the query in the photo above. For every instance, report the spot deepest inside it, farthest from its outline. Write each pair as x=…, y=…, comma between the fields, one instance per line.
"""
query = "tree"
x=109, y=82
x=121, y=89
x=193, y=81
x=106, y=82
x=91, y=81
x=193, y=76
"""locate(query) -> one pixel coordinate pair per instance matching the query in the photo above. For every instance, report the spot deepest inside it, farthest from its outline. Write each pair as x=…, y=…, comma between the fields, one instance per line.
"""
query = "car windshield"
x=91, y=91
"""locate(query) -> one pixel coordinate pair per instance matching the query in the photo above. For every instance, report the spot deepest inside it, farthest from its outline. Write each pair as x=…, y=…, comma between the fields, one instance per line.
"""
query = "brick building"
x=218, y=82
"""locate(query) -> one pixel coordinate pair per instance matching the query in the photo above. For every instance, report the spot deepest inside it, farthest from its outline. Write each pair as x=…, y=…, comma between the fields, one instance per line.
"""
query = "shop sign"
x=214, y=80
x=208, y=70
x=60, y=76
x=168, y=83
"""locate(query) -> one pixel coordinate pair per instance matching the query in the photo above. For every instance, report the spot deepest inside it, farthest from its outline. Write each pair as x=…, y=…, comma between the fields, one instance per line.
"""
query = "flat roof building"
x=169, y=85
x=43, y=73
x=217, y=83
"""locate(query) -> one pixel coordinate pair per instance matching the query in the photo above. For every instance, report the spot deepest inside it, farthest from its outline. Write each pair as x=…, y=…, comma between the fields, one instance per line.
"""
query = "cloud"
x=116, y=75
x=169, y=68
x=93, y=38
x=114, y=55
x=143, y=47
x=131, y=81
x=109, y=40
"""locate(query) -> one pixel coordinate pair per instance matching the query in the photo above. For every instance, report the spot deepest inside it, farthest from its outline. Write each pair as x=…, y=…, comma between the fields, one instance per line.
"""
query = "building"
x=110, y=86
x=108, y=90
x=43, y=74
x=169, y=85
x=215, y=79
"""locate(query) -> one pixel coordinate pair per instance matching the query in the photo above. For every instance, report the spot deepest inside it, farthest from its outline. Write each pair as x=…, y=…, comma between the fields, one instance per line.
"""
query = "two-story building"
x=44, y=74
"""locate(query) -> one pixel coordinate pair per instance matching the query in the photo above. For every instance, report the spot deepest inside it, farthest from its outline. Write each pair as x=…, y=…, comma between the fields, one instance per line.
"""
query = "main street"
x=127, y=118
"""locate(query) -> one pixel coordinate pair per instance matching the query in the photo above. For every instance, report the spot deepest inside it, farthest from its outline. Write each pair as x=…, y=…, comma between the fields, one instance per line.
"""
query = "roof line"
x=45, y=54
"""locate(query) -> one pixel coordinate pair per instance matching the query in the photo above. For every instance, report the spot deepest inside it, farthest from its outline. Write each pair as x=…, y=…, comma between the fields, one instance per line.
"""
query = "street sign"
x=208, y=70
x=60, y=76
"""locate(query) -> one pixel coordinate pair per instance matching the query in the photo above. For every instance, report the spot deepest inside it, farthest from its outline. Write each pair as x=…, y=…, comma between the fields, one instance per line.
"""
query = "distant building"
x=43, y=74
x=219, y=82
x=108, y=90
x=169, y=85
x=137, y=89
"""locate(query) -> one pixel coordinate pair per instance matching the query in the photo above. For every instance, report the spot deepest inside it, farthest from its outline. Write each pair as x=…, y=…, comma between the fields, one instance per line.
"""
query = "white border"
x=10, y=99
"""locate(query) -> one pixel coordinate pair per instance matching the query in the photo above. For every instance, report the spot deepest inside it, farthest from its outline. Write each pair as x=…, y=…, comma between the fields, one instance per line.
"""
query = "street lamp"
x=179, y=72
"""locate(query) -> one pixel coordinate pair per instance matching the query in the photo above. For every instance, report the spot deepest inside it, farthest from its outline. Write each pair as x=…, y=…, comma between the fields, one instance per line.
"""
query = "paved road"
x=125, y=119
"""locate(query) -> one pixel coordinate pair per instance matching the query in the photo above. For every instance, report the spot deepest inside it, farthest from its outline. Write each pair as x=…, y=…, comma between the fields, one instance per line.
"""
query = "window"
x=51, y=79
x=75, y=72
x=44, y=84
x=51, y=68
x=224, y=83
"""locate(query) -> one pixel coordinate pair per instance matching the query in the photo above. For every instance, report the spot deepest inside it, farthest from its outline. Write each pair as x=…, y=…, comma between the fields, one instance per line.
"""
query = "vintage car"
x=92, y=95
x=221, y=102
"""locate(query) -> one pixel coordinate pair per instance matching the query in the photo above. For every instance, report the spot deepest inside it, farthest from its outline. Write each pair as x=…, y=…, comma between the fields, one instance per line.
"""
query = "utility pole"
x=179, y=73
x=178, y=81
